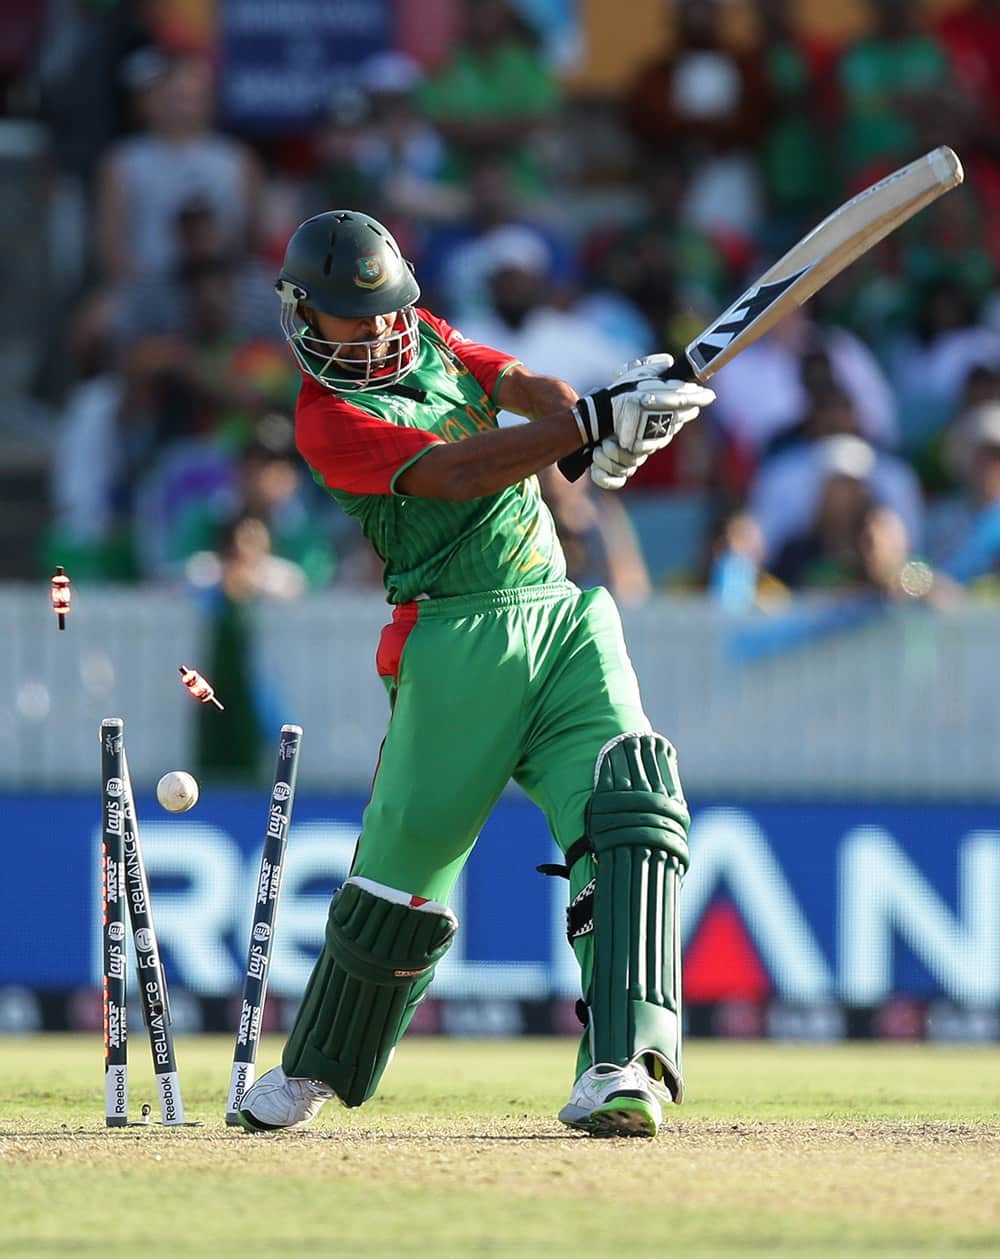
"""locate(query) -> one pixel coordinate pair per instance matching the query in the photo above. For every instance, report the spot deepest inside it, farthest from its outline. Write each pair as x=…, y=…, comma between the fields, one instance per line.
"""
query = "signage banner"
x=849, y=904
x=279, y=63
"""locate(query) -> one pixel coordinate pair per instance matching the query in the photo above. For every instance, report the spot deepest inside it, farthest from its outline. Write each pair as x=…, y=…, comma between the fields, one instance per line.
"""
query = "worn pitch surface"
x=886, y=1150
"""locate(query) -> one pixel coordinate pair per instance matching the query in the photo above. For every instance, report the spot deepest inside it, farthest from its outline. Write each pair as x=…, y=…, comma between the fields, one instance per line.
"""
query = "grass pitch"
x=802, y=1150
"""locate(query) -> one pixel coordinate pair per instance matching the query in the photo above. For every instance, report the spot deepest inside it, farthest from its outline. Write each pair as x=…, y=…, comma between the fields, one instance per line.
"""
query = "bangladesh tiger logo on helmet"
x=370, y=273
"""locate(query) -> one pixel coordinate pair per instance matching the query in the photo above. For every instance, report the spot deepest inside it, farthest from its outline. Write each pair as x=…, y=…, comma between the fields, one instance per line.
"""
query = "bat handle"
x=573, y=466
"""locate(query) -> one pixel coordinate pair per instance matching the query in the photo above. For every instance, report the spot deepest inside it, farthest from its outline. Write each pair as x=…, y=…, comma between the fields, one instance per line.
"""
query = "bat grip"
x=574, y=465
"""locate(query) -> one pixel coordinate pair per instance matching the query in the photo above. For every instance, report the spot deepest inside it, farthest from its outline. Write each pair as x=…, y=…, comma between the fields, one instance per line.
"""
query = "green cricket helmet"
x=347, y=264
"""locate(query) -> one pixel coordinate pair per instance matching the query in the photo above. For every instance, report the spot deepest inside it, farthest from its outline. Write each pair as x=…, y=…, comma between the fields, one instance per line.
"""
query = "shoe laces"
x=318, y=1089
x=656, y=1087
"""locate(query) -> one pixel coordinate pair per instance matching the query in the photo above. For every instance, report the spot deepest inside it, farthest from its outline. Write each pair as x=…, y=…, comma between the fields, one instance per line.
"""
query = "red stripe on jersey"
x=483, y=361
x=350, y=449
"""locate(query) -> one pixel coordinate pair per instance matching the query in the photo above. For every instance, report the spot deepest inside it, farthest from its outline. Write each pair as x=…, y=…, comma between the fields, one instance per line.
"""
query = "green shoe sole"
x=622, y=1117
x=253, y=1125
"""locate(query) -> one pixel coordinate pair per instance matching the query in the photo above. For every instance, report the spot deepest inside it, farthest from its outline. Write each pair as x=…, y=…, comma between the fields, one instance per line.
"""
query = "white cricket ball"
x=177, y=792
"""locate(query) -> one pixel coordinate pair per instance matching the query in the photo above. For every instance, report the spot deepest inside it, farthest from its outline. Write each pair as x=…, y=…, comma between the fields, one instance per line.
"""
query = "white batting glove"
x=643, y=415
x=653, y=365
x=612, y=466
x=652, y=417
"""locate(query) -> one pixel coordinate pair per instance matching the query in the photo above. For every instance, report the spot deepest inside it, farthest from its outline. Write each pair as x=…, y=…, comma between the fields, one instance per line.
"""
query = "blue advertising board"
x=852, y=903
x=280, y=62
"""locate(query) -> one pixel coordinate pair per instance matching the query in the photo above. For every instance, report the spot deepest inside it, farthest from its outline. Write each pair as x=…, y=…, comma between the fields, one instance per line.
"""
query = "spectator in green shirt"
x=264, y=485
x=793, y=152
x=887, y=80
x=495, y=93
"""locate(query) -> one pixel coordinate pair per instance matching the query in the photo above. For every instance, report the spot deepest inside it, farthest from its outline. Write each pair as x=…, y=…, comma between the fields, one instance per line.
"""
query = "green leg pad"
x=637, y=822
x=377, y=962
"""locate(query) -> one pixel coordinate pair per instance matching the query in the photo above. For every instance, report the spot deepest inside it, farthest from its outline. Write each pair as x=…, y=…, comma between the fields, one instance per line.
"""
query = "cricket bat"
x=834, y=244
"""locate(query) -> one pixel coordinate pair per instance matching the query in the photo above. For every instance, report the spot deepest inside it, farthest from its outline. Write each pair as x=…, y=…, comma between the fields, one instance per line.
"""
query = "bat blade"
x=834, y=244
x=831, y=246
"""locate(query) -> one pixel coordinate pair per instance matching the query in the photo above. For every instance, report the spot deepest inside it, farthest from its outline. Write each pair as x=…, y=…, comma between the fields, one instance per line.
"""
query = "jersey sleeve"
x=485, y=363
x=354, y=451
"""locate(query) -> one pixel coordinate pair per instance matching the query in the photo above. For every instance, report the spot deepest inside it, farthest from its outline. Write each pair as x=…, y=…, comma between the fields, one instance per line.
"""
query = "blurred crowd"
x=856, y=448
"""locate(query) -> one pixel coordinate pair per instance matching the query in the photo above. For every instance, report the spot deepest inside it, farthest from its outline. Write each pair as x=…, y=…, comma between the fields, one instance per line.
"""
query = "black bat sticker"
x=750, y=307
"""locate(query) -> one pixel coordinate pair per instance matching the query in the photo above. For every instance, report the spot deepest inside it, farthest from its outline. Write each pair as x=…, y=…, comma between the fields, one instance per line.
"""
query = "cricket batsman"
x=496, y=667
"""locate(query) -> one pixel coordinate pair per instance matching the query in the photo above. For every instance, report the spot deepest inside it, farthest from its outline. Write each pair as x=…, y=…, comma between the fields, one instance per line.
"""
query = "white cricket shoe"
x=612, y=1101
x=280, y=1101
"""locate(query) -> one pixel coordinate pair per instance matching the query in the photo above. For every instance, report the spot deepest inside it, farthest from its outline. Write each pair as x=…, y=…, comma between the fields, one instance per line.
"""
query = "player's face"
x=372, y=330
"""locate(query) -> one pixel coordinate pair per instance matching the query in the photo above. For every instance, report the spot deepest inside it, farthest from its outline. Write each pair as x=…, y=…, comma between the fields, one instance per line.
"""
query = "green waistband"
x=491, y=600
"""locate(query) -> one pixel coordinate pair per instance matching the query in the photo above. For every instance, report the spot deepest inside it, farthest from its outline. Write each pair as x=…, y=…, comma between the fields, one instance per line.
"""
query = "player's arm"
x=524, y=393
x=353, y=451
x=624, y=423
x=488, y=462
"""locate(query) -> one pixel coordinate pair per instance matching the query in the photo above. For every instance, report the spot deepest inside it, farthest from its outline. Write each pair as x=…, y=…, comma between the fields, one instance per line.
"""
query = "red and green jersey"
x=358, y=443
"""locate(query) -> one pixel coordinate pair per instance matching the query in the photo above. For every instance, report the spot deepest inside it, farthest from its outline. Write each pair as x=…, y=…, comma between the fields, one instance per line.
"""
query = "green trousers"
x=526, y=684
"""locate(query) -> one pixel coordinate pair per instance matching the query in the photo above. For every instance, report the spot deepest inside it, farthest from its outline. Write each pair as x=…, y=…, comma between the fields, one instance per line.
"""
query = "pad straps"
x=580, y=911
x=577, y=849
